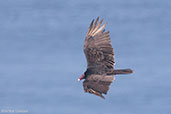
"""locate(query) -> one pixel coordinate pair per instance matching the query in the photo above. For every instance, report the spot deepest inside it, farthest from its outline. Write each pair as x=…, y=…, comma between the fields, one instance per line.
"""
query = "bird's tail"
x=122, y=71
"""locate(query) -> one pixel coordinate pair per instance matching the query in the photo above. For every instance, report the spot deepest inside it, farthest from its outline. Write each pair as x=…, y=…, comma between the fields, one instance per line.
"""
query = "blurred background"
x=41, y=56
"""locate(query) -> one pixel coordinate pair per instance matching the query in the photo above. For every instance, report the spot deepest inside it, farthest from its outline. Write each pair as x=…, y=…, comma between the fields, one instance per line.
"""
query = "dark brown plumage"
x=100, y=60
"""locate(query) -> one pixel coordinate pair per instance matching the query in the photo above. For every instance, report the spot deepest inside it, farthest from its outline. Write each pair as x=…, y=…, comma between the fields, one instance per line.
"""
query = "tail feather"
x=122, y=71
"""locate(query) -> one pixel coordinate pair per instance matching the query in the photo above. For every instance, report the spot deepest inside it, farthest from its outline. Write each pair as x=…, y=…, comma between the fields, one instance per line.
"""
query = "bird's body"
x=100, y=60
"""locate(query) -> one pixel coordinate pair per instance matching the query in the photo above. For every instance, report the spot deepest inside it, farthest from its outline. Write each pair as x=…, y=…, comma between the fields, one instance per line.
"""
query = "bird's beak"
x=81, y=77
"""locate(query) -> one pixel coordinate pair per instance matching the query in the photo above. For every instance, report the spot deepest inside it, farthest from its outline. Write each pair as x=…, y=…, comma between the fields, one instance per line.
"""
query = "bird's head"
x=81, y=77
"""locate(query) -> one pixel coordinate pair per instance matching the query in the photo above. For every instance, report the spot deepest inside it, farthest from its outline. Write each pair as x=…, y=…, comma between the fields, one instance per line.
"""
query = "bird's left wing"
x=98, y=49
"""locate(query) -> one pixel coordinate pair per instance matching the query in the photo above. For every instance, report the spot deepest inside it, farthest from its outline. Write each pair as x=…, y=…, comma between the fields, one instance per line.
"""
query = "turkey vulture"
x=99, y=53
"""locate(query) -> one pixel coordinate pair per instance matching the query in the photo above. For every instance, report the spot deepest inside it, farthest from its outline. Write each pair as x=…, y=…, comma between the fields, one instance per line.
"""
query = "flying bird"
x=99, y=53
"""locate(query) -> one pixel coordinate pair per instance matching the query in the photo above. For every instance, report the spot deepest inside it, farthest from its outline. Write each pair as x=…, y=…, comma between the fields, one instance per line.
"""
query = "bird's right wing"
x=98, y=84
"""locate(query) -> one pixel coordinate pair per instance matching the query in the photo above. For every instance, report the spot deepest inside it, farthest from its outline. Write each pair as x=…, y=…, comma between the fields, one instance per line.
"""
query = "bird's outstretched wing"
x=98, y=49
x=97, y=84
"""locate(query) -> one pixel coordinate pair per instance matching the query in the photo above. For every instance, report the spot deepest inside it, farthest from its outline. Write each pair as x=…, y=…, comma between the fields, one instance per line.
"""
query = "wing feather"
x=97, y=84
x=98, y=49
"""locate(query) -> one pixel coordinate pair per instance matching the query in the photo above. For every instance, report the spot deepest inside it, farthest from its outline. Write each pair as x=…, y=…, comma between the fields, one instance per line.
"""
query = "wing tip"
x=95, y=28
x=91, y=91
